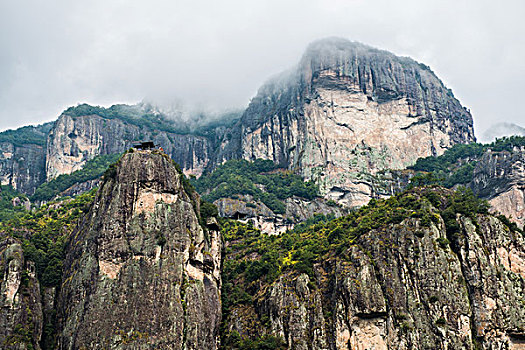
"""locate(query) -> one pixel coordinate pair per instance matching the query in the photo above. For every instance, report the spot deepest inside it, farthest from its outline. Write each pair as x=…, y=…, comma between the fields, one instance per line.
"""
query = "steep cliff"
x=298, y=210
x=427, y=269
x=348, y=111
x=21, y=315
x=77, y=139
x=141, y=272
x=22, y=157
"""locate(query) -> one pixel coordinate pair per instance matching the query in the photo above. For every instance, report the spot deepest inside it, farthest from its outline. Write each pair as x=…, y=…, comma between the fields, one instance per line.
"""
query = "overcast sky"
x=216, y=53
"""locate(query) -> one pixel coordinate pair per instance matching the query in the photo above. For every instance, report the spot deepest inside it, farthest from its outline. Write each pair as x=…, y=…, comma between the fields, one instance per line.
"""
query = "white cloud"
x=217, y=53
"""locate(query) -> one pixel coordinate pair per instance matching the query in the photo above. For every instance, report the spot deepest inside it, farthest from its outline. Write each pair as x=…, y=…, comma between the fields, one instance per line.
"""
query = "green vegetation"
x=240, y=177
x=27, y=135
x=298, y=249
x=208, y=210
x=93, y=169
x=456, y=165
x=449, y=158
x=255, y=260
x=44, y=231
x=43, y=234
x=441, y=321
x=133, y=115
x=463, y=202
x=265, y=342
x=7, y=209
x=510, y=224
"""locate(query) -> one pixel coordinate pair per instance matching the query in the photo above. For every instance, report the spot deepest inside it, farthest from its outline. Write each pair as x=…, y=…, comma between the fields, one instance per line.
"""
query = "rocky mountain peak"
x=141, y=269
x=348, y=111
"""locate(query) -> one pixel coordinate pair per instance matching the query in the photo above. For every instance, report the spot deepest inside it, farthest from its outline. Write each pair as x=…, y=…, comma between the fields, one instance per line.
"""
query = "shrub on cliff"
x=44, y=232
x=456, y=165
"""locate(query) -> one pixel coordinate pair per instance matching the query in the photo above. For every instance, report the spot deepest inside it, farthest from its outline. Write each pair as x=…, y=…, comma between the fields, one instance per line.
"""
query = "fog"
x=213, y=55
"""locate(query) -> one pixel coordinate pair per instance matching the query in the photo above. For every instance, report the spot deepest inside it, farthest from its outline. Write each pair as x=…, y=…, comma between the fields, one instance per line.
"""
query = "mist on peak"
x=500, y=130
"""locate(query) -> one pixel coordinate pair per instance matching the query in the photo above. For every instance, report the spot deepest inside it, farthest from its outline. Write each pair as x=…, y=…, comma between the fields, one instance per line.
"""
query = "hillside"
x=401, y=272
x=426, y=269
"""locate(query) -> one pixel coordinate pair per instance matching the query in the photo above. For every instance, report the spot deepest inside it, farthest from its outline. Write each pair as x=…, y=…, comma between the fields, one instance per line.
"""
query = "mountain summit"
x=349, y=111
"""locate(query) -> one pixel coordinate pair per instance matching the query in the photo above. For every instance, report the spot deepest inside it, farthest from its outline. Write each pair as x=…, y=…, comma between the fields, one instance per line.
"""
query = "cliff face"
x=74, y=140
x=403, y=287
x=141, y=272
x=21, y=316
x=347, y=112
x=500, y=178
x=22, y=167
x=22, y=157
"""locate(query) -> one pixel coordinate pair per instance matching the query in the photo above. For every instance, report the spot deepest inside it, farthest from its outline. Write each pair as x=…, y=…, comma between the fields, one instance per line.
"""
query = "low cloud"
x=213, y=55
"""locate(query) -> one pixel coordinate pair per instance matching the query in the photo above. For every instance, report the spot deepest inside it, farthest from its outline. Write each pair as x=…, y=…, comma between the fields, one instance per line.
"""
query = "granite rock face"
x=21, y=315
x=499, y=177
x=348, y=111
x=404, y=287
x=22, y=167
x=141, y=272
x=22, y=157
x=75, y=140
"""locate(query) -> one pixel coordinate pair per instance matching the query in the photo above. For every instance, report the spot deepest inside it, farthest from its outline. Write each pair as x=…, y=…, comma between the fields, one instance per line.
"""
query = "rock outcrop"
x=499, y=177
x=141, y=272
x=403, y=287
x=298, y=210
x=348, y=111
x=21, y=315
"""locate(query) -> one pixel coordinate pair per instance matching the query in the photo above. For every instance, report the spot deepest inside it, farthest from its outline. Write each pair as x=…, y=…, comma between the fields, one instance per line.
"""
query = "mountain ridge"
x=337, y=85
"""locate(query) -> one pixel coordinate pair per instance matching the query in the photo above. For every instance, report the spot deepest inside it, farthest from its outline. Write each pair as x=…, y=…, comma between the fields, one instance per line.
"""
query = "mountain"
x=84, y=132
x=426, y=269
x=140, y=264
x=30, y=156
x=499, y=177
x=340, y=210
x=23, y=157
x=348, y=111
x=495, y=172
x=344, y=114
